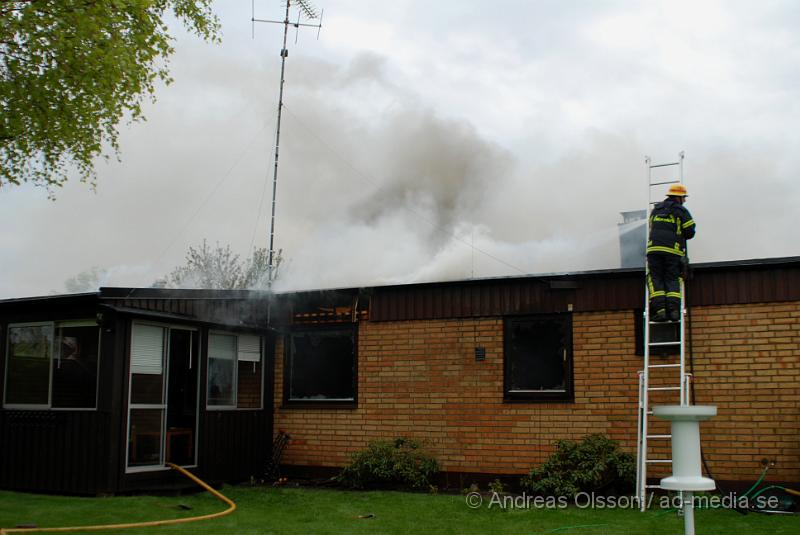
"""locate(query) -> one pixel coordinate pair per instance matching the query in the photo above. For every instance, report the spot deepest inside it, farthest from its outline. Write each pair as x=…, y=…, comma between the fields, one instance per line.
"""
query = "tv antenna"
x=308, y=11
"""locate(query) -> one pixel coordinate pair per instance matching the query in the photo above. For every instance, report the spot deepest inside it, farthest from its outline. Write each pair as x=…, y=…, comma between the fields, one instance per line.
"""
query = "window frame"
x=291, y=403
x=235, y=406
x=54, y=325
x=545, y=396
x=164, y=406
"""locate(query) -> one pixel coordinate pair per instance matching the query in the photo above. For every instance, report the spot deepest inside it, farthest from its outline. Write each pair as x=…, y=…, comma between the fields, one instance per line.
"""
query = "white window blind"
x=249, y=348
x=147, y=349
x=221, y=346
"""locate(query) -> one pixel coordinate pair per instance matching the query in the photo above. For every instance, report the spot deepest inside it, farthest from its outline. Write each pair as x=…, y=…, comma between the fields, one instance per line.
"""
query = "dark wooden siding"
x=54, y=451
x=236, y=444
x=505, y=297
x=232, y=444
x=712, y=284
x=745, y=284
x=57, y=450
x=211, y=310
x=83, y=452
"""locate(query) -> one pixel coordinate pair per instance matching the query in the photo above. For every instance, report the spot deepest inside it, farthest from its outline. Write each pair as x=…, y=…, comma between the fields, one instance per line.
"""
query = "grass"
x=312, y=511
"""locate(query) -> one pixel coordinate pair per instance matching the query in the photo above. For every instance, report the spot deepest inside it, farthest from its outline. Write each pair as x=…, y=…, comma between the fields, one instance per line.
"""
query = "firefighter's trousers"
x=664, y=283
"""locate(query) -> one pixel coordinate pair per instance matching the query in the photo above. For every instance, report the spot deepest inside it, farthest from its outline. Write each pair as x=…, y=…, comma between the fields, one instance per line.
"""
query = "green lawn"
x=312, y=511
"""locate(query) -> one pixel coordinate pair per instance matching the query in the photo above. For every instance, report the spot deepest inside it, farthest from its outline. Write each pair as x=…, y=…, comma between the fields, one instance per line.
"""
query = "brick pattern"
x=249, y=393
x=747, y=362
x=420, y=379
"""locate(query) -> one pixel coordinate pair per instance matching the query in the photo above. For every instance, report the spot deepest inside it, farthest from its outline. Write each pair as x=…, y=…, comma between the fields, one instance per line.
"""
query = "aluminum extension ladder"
x=669, y=375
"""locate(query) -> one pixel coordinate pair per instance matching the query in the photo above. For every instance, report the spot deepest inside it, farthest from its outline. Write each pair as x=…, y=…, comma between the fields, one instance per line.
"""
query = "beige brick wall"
x=420, y=379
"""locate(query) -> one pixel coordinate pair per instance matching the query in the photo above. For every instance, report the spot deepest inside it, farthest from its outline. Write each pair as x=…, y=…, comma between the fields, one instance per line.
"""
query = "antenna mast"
x=306, y=9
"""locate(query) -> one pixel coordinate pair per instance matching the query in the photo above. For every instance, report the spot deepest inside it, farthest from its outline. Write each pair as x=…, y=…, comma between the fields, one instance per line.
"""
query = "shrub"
x=398, y=463
x=594, y=465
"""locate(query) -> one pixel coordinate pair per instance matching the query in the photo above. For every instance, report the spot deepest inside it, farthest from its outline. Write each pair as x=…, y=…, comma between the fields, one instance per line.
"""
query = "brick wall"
x=249, y=392
x=747, y=362
x=420, y=379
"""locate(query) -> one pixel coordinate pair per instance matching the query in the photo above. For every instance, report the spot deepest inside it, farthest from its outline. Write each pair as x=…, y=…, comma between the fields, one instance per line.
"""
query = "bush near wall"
x=398, y=463
x=596, y=464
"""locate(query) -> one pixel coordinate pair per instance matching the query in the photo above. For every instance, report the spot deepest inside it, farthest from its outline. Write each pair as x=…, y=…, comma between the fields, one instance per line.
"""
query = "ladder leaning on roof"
x=659, y=338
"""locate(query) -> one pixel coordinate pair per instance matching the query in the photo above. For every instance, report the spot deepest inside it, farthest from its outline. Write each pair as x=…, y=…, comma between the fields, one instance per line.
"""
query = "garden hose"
x=757, y=483
x=231, y=508
x=784, y=489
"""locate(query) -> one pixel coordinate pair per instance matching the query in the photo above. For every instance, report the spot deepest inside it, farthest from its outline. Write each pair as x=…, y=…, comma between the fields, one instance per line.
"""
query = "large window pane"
x=537, y=357
x=144, y=444
x=221, y=359
x=75, y=367
x=322, y=365
x=28, y=371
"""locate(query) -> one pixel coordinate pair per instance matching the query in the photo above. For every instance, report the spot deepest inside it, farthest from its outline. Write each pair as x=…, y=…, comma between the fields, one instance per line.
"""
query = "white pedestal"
x=686, y=462
x=687, y=474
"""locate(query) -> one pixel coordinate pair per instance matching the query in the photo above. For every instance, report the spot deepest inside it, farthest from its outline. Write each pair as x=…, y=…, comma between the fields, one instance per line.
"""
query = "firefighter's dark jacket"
x=670, y=226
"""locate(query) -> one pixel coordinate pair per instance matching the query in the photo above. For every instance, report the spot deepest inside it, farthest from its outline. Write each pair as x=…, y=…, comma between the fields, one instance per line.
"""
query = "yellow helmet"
x=677, y=190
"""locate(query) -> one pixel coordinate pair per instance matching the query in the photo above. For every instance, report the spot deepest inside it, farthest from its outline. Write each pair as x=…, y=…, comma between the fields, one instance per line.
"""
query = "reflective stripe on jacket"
x=670, y=226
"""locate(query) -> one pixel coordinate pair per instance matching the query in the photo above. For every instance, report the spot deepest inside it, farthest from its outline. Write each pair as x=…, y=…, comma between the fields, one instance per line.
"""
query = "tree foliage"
x=71, y=70
x=220, y=268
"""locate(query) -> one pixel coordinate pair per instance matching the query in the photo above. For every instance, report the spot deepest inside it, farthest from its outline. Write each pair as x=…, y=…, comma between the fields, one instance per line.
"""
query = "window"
x=162, y=412
x=235, y=371
x=538, y=358
x=638, y=332
x=75, y=365
x=321, y=366
x=52, y=365
x=146, y=407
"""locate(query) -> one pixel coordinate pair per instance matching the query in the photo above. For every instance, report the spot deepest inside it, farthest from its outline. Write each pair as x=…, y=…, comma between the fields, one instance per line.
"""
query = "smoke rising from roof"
x=397, y=159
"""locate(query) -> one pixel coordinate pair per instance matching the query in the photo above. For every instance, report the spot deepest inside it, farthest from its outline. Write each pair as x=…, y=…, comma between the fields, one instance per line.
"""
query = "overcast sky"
x=439, y=140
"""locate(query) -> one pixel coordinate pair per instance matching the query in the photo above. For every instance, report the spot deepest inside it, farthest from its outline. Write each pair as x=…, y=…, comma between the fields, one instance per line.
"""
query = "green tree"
x=220, y=268
x=71, y=70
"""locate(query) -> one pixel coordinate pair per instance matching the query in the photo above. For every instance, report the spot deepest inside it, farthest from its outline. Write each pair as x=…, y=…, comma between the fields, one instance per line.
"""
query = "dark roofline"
x=169, y=316
x=88, y=296
x=201, y=294
x=183, y=293
x=546, y=278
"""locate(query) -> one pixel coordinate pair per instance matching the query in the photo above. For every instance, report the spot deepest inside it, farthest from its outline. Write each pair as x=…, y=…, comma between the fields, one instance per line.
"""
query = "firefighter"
x=671, y=225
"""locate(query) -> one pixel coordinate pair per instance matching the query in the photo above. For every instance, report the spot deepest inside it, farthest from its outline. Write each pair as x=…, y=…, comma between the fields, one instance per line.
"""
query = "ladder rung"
x=664, y=366
x=663, y=388
x=658, y=461
x=664, y=165
x=652, y=486
x=661, y=344
x=659, y=436
x=667, y=182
